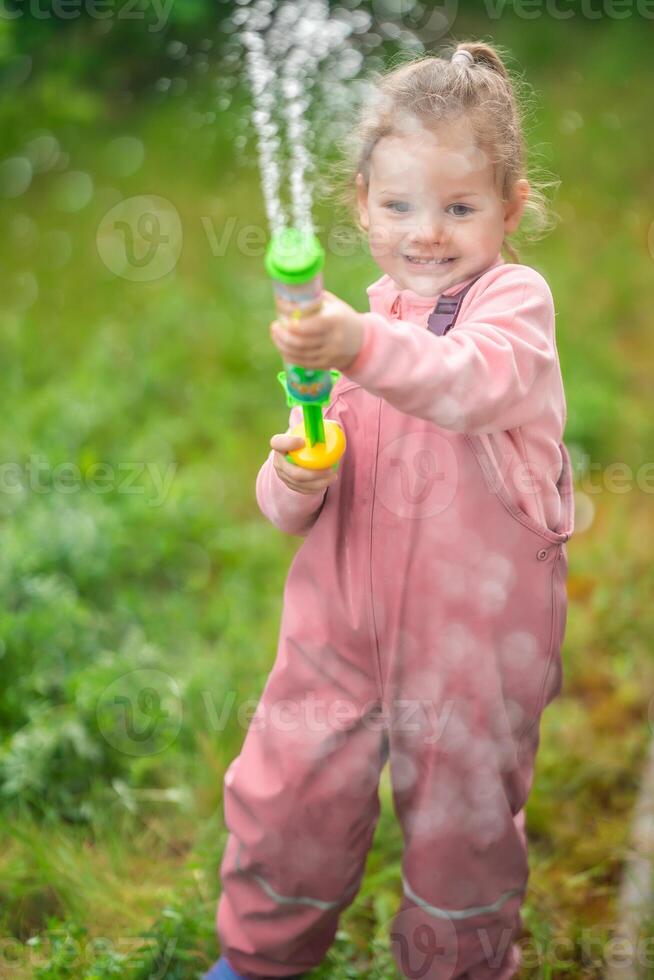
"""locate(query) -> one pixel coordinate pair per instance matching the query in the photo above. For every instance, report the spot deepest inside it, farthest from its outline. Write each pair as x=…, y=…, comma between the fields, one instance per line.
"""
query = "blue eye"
x=466, y=209
x=392, y=204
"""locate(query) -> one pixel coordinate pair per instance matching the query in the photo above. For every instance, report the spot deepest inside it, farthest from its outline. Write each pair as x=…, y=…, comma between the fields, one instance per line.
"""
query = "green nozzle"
x=294, y=256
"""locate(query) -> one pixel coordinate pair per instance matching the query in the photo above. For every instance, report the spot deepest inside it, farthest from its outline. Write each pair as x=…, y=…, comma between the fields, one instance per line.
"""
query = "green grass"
x=109, y=859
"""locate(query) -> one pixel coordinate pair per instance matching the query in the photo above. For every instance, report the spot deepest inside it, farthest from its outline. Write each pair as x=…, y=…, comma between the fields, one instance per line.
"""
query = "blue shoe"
x=223, y=971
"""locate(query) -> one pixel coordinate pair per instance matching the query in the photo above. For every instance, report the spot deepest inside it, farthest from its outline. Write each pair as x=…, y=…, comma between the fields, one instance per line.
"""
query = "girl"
x=424, y=612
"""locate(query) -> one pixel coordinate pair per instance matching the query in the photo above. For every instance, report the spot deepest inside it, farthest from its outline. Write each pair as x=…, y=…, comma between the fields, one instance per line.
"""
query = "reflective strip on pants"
x=457, y=913
x=317, y=903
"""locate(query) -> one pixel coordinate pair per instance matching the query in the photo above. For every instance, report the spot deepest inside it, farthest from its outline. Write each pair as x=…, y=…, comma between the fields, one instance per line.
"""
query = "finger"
x=284, y=442
x=297, y=351
x=301, y=353
x=285, y=436
x=309, y=327
x=321, y=363
x=298, y=473
x=301, y=474
x=305, y=349
x=315, y=487
x=304, y=360
x=316, y=363
x=301, y=342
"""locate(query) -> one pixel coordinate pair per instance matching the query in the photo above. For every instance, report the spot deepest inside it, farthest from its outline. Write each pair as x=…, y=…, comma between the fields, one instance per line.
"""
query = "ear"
x=515, y=206
x=362, y=201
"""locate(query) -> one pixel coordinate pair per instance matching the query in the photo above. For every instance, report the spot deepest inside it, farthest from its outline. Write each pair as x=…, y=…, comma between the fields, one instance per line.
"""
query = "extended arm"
x=491, y=372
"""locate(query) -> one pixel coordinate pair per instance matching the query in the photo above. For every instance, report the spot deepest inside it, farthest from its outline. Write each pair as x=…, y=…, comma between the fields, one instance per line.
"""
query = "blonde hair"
x=435, y=90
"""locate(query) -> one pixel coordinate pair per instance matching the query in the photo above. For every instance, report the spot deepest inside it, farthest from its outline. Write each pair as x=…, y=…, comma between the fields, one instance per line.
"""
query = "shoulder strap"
x=444, y=315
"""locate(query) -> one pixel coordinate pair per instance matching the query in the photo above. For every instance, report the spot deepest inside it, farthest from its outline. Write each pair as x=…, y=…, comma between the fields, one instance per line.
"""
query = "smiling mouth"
x=414, y=260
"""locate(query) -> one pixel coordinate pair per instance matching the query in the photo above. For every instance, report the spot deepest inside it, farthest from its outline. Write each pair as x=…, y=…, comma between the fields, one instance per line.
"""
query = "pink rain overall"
x=423, y=620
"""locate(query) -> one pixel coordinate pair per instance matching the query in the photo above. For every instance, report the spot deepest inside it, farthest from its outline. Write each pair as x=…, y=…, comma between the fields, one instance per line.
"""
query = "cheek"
x=492, y=225
x=381, y=240
x=478, y=232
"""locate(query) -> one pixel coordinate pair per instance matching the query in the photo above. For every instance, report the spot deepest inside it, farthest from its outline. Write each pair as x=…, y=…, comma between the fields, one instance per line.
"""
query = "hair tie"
x=462, y=58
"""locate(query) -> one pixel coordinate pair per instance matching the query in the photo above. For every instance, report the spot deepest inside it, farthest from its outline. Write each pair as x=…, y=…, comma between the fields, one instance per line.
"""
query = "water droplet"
x=21, y=291
x=571, y=121
x=228, y=26
x=42, y=151
x=24, y=231
x=123, y=156
x=519, y=652
x=349, y=64
x=176, y=49
x=16, y=69
x=72, y=191
x=178, y=86
x=15, y=176
x=372, y=40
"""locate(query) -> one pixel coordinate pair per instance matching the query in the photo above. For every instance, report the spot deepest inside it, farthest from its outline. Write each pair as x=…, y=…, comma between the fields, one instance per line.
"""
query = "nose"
x=429, y=231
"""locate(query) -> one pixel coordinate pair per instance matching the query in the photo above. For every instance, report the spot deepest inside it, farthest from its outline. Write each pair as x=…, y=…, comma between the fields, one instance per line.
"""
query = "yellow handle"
x=322, y=454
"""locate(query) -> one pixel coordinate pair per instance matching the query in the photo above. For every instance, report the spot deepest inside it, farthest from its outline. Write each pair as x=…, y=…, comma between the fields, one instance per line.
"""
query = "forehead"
x=439, y=156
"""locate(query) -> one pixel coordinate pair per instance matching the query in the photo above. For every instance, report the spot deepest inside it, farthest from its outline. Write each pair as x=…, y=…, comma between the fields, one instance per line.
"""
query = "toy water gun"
x=294, y=261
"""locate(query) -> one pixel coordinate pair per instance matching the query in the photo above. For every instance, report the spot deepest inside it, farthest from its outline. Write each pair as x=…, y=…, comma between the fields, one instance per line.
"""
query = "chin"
x=430, y=288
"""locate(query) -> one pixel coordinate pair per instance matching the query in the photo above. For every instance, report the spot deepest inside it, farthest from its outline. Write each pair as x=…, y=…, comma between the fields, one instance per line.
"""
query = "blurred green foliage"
x=178, y=375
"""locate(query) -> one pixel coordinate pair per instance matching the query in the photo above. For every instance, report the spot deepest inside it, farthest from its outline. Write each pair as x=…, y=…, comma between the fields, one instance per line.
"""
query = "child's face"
x=431, y=195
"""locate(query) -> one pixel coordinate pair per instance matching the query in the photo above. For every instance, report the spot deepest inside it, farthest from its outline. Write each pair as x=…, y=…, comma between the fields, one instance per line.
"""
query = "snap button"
x=542, y=554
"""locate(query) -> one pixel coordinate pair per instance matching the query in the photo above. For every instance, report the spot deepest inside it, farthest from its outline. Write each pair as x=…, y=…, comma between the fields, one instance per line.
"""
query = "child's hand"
x=331, y=338
x=297, y=477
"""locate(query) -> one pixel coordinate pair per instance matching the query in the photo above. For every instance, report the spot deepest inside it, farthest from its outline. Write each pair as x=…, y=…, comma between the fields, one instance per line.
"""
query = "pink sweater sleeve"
x=492, y=372
x=289, y=510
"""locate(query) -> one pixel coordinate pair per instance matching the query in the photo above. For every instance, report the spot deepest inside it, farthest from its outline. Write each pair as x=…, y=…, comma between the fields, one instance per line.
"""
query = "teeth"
x=427, y=261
